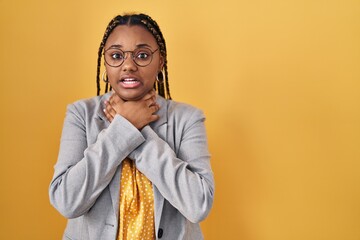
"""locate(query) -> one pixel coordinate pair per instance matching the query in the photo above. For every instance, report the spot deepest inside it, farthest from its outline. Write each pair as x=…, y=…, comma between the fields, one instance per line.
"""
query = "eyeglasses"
x=142, y=57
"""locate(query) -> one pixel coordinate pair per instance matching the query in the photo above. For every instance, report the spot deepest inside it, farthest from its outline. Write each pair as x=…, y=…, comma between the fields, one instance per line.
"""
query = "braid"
x=98, y=71
x=168, y=96
x=154, y=29
x=113, y=23
x=106, y=87
x=162, y=87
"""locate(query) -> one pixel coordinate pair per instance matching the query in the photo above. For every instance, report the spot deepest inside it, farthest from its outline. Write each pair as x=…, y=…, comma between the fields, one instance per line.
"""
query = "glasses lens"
x=142, y=56
x=114, y=57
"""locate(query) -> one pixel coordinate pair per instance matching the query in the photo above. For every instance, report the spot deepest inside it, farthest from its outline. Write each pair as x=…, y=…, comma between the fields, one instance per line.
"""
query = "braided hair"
x=162, y=85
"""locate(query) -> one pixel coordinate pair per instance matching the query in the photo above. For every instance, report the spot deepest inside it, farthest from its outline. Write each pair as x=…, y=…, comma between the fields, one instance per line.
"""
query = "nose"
x=129, y=64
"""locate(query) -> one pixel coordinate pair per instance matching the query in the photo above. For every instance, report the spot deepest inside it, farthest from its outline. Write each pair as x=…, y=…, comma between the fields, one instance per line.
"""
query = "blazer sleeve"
x=82, y=172
x=184, y=178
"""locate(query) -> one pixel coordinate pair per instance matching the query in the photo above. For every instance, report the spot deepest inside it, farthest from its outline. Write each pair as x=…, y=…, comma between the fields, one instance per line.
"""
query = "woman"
x=133, y=164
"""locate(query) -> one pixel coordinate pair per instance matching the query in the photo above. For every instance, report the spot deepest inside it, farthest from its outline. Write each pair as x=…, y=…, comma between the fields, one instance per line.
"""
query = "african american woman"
x=133, y=164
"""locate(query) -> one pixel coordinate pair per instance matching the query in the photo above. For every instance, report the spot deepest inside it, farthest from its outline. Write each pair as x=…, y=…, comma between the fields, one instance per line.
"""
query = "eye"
x=117, y=56
x=142, y=55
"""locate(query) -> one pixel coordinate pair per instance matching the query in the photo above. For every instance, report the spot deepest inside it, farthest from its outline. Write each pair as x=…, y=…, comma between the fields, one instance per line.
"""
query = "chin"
x=132, y=94
x=131, y=97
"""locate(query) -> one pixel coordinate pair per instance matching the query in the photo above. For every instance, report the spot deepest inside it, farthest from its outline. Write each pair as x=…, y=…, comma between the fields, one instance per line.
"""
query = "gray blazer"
x=171, y=152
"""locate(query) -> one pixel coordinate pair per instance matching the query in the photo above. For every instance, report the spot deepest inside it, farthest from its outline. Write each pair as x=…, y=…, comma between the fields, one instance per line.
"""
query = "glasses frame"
x=132, y=56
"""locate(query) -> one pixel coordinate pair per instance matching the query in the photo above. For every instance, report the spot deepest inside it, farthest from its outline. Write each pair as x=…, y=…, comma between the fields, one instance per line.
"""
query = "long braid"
x=98, y=71
x=154, y=28
x=113, y=23
x=168, y=96
x=146, y=21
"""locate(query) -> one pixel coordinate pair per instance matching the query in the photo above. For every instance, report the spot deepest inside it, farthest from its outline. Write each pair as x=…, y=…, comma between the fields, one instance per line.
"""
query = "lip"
x=129, y=81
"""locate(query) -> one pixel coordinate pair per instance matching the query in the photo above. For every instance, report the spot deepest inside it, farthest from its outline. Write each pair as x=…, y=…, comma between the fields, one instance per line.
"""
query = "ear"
x=161, y=63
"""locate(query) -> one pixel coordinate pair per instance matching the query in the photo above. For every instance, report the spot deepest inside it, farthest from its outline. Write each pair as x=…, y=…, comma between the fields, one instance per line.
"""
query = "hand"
x=139, y=113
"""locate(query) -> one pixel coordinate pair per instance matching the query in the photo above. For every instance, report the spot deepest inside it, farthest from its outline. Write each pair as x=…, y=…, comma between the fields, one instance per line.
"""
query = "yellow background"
x=278, y=80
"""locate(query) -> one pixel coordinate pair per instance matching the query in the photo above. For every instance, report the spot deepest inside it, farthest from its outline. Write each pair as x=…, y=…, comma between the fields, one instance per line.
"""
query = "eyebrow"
x=143, y=45
x=137, y=46
x=115, y=46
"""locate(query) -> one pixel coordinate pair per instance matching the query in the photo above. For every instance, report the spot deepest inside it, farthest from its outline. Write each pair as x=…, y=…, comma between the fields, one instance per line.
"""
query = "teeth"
x=129, y=82
x=129, y=79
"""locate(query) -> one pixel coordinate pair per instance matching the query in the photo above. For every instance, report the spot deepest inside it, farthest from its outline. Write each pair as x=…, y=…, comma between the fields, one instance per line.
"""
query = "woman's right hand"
x=139, y=113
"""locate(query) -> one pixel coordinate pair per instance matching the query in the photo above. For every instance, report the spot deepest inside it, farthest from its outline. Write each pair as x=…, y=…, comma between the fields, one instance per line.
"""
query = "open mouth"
x=130, y=82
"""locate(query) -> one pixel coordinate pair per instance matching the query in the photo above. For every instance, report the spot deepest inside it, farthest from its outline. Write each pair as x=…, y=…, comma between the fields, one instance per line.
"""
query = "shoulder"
x=88, y=102
x=87, y=106
x=183, y=112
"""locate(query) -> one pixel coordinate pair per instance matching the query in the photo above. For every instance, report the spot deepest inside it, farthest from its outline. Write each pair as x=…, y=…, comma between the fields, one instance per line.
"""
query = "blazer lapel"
x=114, y=188
x=160, y=127
x=114, y=185
x=163, y=117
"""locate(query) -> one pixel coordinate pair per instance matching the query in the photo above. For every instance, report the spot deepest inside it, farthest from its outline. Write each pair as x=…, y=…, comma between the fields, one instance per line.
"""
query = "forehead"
x=130, y=37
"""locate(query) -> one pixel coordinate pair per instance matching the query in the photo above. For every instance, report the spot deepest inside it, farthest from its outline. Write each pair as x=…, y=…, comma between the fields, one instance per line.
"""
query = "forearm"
x=81, y=175
x=186, y=180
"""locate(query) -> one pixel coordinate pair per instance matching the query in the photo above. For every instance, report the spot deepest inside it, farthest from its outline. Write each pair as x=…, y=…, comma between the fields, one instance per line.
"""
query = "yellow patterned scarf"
x=136, y=204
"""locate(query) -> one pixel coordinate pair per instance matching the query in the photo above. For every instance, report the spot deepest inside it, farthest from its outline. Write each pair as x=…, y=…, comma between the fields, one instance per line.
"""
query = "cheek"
x=111, y=73
x=150, y=74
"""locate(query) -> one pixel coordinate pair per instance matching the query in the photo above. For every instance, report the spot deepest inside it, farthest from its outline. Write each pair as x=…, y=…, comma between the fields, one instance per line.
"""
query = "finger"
x=150, y=102
x=154, y=108
x=109, y=109
x=107, y=113
x=111, y=99
x=108, y=116
x=115, y=99
x=154, y=117
x=154, y=98
x=149, y=95
x=153, y=91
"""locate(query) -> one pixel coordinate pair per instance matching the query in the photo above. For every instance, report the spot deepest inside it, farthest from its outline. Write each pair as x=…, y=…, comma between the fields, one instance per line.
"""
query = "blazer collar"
x=101, y=106
x=162, y=111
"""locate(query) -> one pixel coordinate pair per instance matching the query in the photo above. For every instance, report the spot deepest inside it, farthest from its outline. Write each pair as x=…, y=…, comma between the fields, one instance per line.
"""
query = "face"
x=130, y=81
